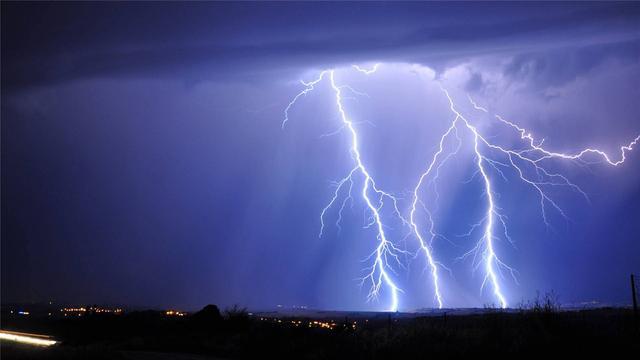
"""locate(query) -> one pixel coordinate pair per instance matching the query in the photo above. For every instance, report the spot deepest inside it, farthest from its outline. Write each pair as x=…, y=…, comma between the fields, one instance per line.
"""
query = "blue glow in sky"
x=145, y=163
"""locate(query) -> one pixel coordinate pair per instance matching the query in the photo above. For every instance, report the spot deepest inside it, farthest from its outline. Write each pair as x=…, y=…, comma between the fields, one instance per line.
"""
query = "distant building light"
x=175, y=313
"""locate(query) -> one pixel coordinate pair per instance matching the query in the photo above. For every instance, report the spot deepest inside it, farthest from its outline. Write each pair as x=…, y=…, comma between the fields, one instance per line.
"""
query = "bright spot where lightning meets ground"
x=528, y=162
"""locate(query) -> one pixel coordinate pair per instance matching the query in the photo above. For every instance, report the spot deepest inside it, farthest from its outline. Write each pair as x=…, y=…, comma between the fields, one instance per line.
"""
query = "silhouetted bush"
x=237, y=317
x=209, y=317
x=538, y=330
x=548, y=304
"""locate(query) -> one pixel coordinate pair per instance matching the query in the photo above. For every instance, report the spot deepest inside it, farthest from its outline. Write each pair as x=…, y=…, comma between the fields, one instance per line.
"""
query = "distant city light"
x=79, y=311
x=175, y=313
x=331, y=325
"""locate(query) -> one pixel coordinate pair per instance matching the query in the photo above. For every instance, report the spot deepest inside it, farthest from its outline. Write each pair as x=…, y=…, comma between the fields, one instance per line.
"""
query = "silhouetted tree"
x=208, y=317
x=237, y=318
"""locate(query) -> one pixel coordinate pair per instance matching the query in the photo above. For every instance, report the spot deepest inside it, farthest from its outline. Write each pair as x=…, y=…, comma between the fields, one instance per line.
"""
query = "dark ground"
x=539, y=333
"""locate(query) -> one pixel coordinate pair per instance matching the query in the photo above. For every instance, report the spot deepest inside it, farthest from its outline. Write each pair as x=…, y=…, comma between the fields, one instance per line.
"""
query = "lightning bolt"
x=308, y=87
x=386, y=252
x=366, y=71
x=518, y=160
x=490, y=159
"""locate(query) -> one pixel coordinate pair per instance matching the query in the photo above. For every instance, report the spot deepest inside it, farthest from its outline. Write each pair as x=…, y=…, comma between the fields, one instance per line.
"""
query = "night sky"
x=144, y=162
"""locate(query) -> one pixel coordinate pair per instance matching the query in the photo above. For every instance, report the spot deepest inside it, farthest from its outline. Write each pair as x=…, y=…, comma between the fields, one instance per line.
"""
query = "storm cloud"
x=143, y=159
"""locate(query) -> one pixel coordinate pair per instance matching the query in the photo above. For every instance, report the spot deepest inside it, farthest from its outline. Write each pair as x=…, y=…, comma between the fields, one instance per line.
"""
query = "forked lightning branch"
x=529, y=164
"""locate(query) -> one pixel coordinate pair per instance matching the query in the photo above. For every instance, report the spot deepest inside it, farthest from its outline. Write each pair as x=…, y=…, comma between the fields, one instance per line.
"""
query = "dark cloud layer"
x=46, y=43
x=143, y=160
x=545, y=69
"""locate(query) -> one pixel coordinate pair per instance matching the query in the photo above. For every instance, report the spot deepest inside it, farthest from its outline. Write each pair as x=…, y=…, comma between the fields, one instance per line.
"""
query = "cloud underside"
x=548, y=46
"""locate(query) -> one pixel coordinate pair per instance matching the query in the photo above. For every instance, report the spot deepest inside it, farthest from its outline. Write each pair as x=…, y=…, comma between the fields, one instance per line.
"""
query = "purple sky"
x=144, y=163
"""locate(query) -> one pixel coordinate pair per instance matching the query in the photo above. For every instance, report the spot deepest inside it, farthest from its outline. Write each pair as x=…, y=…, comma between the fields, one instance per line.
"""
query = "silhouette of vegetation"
x=207, y=318
x=539, y=328
x=237, y=318
x=548, y=304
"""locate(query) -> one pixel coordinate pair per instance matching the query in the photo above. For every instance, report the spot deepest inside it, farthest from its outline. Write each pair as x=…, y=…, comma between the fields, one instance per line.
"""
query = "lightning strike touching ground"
x=517, y=160
x=386, y=251
x=490, y=159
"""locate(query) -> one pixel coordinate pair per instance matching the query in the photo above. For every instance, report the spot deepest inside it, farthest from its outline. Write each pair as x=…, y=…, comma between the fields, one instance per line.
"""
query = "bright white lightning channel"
x=526, y=163
x=538, y=178
x=374, y=198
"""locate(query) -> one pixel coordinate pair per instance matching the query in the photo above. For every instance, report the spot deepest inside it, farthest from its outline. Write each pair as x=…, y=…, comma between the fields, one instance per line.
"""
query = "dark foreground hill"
x=237, y=334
